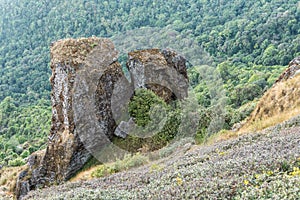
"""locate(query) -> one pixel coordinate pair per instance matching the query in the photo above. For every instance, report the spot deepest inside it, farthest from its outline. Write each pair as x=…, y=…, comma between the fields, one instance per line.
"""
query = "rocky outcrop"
x=65, y=154
x=92, y=60
x=90, y=95
x=291, y=71
x=162, y=71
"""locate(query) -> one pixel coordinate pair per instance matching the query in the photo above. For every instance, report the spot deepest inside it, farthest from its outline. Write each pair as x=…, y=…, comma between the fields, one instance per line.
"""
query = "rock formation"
x=72, y=60
x=162, y=71
x=89, y=97
x=291, y=71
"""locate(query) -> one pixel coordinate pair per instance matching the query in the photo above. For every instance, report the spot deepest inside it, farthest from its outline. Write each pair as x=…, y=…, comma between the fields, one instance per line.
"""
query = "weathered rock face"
x=291, y=71
x=162, y=71
x=89, y=61
x=65, y=153
x=90, y=95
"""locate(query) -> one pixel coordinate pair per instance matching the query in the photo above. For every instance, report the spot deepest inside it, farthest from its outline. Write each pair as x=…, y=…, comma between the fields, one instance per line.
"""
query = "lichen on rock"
x=72, y=51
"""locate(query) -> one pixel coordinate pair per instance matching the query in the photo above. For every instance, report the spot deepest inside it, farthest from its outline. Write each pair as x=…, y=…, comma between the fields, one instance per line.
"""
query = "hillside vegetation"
x=23, y=130
x=262, y=165
x=261, y=32
x=236, y=49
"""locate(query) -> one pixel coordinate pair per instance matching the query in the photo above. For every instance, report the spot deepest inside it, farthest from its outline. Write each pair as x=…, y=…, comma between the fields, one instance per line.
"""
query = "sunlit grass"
x=279, y=104
x=8, y=178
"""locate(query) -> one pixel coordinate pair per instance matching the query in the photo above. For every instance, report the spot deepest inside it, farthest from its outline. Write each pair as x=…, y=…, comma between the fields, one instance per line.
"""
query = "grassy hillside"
x=262, y=165
x=277, y=105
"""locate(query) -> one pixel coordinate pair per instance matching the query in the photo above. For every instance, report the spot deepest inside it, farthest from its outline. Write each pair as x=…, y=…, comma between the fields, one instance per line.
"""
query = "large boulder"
x=161, y=71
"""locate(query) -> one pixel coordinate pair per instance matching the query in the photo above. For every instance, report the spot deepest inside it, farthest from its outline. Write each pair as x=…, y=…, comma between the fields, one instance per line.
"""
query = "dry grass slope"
x=279, y=104
x=8, y=177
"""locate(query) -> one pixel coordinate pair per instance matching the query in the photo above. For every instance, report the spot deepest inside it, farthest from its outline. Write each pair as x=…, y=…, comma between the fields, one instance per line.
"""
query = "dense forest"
x=248, y=43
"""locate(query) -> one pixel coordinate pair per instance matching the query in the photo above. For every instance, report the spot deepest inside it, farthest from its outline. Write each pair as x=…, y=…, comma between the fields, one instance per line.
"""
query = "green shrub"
x=157, y=122
x=16, y=162
x=128, y=162
x=204, y=122
x=32, y=149
x=141, y=104
x=135, y=160
x=102, y=170
x=25, y=154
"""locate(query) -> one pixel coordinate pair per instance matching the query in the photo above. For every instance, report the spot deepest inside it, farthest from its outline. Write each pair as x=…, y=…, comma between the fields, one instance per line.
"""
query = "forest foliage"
x=248, y=43
x=262, y=32
x=23, y=130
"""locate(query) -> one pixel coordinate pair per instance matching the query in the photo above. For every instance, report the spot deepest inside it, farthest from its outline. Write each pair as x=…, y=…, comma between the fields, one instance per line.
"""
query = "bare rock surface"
x=162, y=71
x=291, y=71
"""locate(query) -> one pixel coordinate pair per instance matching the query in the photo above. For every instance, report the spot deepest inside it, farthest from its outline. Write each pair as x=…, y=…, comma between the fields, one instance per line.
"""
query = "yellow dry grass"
x=221, y=136
x=271, y=121
x=84, y=175
x=8, y=178
x=280, y=103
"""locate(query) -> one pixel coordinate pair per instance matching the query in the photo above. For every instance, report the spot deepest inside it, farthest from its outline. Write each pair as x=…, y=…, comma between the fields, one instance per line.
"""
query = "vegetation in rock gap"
x=157, y=122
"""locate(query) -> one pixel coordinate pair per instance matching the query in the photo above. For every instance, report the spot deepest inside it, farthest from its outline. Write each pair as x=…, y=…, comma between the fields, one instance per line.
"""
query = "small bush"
x=134, y=161
x=157, y=122
x=25, y=154
x=103, y=170
x=128, y=162
x=16, y=162
x=141, y=104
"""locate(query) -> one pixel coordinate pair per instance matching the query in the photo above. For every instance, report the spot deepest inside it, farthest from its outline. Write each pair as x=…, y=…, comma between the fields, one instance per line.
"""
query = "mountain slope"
x=280, y=102
x=244, y=39
x=247, y=41
x=262, y=165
